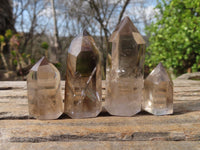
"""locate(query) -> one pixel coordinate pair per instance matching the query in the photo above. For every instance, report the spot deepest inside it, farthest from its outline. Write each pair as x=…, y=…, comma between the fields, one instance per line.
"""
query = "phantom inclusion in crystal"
x=44, y=92
x=124, y=77
x=83, y=78
x=158, y=92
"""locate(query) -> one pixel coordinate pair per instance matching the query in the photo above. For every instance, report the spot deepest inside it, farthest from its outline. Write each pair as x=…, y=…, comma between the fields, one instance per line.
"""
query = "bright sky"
x=45, y=19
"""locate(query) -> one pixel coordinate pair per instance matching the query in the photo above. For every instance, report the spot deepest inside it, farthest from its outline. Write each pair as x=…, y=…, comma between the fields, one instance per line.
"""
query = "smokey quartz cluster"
x=83, y=78
x=44, y=92
x=158, y=92
x=125, y=70
x=126, y=91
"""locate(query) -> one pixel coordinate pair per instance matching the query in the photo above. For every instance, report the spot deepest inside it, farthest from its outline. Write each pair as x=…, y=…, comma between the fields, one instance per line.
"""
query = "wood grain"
x=142, y=131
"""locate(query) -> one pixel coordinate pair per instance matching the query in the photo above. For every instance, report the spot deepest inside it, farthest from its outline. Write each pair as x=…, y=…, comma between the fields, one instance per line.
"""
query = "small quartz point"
x=83, y=78
x=158, y=92
x=44, y=91
x=125, y=69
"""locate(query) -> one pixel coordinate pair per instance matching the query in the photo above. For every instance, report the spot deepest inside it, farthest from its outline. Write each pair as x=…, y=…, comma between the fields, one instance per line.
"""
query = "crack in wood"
x=6, y=88
x=26, y=117
x=18, y=97
x=3, y=113
x=137, y=136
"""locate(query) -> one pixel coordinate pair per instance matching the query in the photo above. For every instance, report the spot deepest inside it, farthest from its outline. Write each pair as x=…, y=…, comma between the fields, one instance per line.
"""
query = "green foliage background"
x=175, y=36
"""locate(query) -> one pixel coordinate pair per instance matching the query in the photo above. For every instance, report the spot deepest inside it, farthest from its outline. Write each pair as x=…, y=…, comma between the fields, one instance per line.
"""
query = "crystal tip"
x=44, y=61
x=160, y=65
x=85, y=33
x=41, y=62
x=126, y=18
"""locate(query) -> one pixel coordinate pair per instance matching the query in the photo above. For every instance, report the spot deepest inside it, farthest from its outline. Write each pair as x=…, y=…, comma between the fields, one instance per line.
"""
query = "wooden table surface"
x=180, y=131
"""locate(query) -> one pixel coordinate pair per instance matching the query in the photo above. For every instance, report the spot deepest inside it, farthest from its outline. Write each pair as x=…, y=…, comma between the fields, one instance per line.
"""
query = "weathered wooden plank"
x=182, y=83
x=13, y=84
x=16, y=93
x=187, y=76
x=187, y=89
x=185, y=98
x=183, y=127
x=111, y=145
x=143, y=131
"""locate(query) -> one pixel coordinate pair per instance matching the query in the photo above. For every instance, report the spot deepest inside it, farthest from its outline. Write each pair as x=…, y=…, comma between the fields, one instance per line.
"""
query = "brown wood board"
x=142, y=131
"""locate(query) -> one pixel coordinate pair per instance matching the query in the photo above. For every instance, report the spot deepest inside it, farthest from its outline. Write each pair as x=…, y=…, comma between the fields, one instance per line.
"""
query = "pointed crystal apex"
x=44, y=61
x=85, y=33
x=41, y=62
x=158, y=92
x=125, y=27
x=158, y=74
x=82, y=42
x=160, y=66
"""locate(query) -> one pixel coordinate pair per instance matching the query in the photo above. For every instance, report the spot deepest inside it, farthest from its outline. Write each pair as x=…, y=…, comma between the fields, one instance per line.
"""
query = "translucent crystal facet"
x=83, y=78
x=124, y=77
x=158, y=92
x=44, y=92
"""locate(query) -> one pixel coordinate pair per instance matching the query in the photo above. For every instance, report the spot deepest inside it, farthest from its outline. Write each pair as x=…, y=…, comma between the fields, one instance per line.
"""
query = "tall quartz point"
x=158, y=93
x=83, y=78
x=124, y=79
x=44, y=91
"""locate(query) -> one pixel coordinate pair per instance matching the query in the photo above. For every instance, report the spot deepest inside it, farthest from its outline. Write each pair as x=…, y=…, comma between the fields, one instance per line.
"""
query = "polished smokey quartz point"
x=83, y=78
x=158, y=92
x=44, y=92
x=124, y=79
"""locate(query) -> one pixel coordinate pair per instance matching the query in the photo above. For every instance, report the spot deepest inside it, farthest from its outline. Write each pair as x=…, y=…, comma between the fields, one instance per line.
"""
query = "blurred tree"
x=2, y=44
x=6, y=16
x=45, y=46
x=56, y=42
x=31, y=23
x=6, y=22
x=97, y=16
x=102, y=14
x=175, y=36
x=39, y=21
x=16, y=60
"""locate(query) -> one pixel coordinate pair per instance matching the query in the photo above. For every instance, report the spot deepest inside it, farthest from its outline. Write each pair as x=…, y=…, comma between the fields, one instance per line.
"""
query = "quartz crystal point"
x=124, y=79
x=158, y=93
x=83, y=78
x=44, y=92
